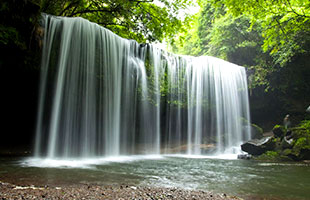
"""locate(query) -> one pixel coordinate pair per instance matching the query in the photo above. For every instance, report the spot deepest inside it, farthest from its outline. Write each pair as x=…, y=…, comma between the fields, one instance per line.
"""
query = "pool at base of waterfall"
x=243, y=178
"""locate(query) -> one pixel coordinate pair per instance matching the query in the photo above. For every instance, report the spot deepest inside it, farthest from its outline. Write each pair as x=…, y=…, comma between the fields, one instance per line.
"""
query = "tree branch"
x=293, y=11
x=92, y=11
x=281, y=28
x=146, y=1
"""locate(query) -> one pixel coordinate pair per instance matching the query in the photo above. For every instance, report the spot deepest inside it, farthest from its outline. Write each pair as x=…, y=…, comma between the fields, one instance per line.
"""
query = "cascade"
x=102, y=95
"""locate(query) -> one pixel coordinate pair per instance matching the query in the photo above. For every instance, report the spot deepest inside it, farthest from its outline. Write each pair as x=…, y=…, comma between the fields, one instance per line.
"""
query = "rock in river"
x=258, y=146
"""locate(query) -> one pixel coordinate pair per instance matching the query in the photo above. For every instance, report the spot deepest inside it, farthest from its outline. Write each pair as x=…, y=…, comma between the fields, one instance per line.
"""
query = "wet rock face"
x=258, y=146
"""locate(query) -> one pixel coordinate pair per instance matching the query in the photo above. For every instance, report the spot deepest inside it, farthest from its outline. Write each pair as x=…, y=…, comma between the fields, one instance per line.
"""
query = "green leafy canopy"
x=141, y=20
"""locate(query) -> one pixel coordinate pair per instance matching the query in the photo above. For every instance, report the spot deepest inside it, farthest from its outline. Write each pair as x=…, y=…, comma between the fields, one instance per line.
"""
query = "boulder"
x=287, y=142
x=258, y=146
x=244, y=156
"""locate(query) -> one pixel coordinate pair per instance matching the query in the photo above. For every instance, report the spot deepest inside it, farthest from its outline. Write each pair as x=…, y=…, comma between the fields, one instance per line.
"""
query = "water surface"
x=234, y=177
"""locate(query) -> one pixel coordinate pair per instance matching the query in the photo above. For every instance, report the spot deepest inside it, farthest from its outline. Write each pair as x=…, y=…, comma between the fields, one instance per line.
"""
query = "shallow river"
x=234, y=177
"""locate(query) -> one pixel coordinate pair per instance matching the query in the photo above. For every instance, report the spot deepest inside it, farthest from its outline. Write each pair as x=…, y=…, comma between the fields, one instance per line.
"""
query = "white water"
x=105, y=96
x=85, y=163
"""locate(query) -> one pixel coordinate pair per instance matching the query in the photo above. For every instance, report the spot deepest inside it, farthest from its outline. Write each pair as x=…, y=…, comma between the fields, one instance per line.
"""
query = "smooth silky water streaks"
x=102, y=96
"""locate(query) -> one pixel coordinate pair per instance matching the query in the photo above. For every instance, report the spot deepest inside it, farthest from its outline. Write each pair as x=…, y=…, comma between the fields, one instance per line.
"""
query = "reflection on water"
x=235, y=177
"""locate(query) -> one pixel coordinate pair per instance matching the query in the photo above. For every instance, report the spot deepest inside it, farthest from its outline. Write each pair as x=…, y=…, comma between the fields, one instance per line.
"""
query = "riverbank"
x=11, y=191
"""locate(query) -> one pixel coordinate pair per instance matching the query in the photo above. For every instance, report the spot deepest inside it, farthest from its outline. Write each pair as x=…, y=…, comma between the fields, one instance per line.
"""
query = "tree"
x=217, y=33
x=141, y=20
x=271, y=38
x=285, y=24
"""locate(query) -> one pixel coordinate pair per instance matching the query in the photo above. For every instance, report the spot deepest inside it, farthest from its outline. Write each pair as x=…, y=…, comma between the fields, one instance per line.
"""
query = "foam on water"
x=84, y=163
x=91, y=163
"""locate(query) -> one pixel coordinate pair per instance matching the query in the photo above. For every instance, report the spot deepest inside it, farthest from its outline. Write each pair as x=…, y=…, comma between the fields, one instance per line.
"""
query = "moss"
x=300, y=142
x=287, y=152
x=271, y=144
x=277, y=156
x=278, y=149
x=272, y=153
x=301, y=146
x=288, y=155
x=276, y=140
x=277, y=126
x=269, y=155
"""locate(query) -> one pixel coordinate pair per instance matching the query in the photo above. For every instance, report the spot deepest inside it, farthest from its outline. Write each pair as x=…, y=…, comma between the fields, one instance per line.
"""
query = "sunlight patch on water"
x=86, y=163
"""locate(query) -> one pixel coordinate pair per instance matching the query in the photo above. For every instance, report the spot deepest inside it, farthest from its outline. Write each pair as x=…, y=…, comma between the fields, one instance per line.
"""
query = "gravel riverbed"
x=11, y=191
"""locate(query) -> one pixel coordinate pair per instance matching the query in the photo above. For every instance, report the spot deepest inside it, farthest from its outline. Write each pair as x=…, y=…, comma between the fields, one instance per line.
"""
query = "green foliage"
x=305, y=124
x=302, y=130
x=218, y=33
x=300, y=147
x=144, y=21
x=271, y=38
x=283, y=23
x=302, y=133
x=287, y=152
x=11, y=36
x=300, y=142
x=294, y=147
x=17, y=27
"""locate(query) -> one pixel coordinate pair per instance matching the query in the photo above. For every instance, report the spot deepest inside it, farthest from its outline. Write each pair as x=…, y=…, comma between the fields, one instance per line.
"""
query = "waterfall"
x=102, y=95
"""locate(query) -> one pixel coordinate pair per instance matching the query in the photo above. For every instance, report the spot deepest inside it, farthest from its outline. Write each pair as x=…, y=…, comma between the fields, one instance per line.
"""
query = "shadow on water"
x=248, y=179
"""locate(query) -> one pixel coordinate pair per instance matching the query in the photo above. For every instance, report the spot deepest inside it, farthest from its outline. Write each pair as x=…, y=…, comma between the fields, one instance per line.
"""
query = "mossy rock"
x=289, y=154
x=301, y=144
x=301, y=148
x=278, y=131
x=258, y=146
x=272, y=144
x=293, y=146
x=269, y=155
x=285, y=144
x=276, y=156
